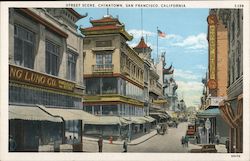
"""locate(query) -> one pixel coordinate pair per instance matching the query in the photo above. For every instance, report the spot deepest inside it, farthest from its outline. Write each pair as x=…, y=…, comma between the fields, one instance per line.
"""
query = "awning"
x=161, y=115
x=70, y=114
x=209, y=113
x=150, y=119
x=233, y=119
x=137, y=120
x=107, y=120
x=28, y=112
x=171, y=114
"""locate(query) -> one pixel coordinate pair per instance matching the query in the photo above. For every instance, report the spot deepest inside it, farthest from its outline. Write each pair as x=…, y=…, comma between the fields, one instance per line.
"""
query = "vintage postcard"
x=125, y=80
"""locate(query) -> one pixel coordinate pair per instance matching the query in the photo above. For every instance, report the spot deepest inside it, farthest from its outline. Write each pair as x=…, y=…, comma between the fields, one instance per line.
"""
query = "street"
x=169, y=143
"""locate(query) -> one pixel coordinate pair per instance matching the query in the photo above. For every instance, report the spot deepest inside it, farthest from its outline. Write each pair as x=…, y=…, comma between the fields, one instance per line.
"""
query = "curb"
x=142, y=140
x=120, y=143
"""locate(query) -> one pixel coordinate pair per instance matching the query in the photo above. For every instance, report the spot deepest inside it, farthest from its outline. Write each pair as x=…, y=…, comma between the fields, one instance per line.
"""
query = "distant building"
x=153, y=93
x=169, y=88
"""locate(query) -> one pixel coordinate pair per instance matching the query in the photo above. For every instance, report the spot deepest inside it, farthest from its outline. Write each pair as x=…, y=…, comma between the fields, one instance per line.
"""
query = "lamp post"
x=208, y=126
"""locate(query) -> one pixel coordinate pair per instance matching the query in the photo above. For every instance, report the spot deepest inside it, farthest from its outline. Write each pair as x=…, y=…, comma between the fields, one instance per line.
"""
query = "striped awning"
x=137, y=119
x=70, y=114
x=150, y=119
x=32, y=113
x=108, y=120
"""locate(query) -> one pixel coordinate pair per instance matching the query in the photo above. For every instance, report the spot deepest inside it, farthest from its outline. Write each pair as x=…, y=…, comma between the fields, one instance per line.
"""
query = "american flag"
x=161, y=34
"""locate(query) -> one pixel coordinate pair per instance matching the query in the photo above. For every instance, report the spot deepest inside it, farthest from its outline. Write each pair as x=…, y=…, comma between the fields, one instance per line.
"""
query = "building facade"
x=45, y=69
x=114, y=78
x=153, y=93
x=232, y=107
x=169, y=88
x=215, y=88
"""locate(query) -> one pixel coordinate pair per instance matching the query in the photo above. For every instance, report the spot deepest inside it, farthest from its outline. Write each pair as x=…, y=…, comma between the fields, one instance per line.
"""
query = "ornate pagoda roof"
x=106, y=25
x=142, y=44
x=106, y=20
x=78, y=16
x=169, y=70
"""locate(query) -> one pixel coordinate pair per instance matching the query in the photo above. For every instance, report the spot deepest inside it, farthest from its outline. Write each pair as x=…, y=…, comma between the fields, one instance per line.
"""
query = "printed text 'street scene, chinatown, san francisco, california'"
x=125, y=80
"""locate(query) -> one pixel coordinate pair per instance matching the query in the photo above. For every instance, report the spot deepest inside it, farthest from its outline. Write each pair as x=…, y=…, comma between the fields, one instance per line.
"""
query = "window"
x=52, y=56
x=233, y=30
x=109, y=110
x=88, y=109
x=103, y=58
x=23, y=47
x=93, y=86
x=72, y=65
x=109, y=85
x=97, y=110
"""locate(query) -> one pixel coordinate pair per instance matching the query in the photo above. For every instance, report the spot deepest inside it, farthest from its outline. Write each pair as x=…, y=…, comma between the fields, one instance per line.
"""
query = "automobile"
x=206, y=148
x=162, y=128
x=190, y=131
x=171, y=124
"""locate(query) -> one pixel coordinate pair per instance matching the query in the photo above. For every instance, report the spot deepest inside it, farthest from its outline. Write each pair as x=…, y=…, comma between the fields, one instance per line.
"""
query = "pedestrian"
x=212, y=139
x=100, y=143
x=164, y=129
x=227, y=145
x=12, y=144
x=183, y=141
x=186, y=140
x=158, y=129
x=74, y=140
x=70, y=141
x=125, y=145
x=198, y=139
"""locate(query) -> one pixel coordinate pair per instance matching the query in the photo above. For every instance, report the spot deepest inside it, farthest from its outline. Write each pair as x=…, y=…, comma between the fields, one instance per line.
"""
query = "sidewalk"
x=120, y=142
x=220, y=147
x=90, y=144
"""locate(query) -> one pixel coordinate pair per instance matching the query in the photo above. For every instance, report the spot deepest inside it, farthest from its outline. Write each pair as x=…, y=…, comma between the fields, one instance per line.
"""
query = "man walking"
x=183, y=141
x=125, y=145
x=100, y=143
x=12, y=144
x=186, y=140
x=227, y=145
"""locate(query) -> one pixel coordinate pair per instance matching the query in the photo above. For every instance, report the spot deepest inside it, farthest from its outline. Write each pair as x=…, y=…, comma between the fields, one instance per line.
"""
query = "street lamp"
x=208, y=126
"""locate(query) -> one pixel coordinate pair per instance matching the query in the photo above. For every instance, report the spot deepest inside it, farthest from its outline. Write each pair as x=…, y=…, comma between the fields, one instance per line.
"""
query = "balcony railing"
x=125, y=70
x=103, y=68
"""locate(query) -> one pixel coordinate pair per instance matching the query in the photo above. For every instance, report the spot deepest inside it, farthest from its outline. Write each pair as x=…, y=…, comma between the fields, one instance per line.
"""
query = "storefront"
x=31, y=127
x=232, y=112
x=217, y=130
x=106, y=126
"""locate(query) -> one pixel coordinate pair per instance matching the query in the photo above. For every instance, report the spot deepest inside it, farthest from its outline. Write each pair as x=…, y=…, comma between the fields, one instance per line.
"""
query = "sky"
x=185, y=43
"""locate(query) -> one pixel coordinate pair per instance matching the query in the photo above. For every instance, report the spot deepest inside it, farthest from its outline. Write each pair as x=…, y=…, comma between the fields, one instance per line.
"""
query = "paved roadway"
x=170, y=143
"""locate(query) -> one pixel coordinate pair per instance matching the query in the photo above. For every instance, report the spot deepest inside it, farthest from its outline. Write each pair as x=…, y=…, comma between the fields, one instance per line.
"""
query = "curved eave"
x=107, y=31
x=126, y=34
x=78, y=16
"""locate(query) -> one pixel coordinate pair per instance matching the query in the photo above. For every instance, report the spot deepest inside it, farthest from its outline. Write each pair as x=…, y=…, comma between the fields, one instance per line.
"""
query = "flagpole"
x=157, y=43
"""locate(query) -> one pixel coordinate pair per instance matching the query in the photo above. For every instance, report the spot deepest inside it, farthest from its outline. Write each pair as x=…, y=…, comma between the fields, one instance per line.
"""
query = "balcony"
x=103, y=68
x=125, y=70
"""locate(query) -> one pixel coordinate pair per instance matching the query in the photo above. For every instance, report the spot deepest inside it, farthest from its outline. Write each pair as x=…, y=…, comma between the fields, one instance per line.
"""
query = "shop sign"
x=28, y=76
x=214, y=101
x=212, y=84
x=212, y=45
